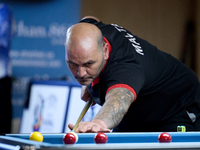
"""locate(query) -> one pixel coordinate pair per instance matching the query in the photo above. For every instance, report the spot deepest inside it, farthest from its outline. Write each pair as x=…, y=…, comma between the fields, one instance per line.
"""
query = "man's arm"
x=117, y=103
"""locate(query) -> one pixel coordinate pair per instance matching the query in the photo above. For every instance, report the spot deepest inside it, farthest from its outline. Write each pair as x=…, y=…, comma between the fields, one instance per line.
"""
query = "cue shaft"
x=85, y=109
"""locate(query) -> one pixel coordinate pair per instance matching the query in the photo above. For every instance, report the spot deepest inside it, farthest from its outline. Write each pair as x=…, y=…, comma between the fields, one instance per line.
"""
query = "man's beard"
x=90, y=77
x=101, y=67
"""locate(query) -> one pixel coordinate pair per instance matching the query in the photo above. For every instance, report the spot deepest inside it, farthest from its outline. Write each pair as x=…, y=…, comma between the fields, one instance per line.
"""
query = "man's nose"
x=81, y=71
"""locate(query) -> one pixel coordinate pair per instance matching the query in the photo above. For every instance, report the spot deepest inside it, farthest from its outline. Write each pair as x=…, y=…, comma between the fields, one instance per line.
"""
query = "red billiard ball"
x=100, y=138
x=70, y=138
x=164, y=138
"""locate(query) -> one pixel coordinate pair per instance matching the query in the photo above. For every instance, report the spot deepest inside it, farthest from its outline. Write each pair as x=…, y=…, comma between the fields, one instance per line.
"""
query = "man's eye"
x=88, y=64
x=72, y=64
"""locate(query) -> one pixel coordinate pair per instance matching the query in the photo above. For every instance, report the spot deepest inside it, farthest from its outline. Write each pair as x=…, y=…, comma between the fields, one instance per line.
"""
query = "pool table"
x=119, y=141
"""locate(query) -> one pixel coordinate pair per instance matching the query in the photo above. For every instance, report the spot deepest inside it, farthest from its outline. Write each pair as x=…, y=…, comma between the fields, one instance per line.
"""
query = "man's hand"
x=94, y=126
x=117, y=103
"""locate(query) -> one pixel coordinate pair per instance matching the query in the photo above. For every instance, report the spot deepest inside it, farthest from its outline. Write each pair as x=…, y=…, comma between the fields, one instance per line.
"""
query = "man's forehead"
x=80, y=61
x=80, y=57
x=82, y=48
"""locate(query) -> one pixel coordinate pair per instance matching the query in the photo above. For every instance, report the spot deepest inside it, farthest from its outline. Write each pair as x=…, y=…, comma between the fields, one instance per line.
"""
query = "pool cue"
x=85, y=109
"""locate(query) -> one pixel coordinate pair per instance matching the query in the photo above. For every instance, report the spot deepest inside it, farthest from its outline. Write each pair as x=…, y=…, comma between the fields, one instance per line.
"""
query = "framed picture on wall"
x=47, y=106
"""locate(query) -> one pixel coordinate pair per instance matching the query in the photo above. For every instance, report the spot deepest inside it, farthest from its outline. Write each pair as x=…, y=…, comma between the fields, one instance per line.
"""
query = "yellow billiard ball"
x=36, y=136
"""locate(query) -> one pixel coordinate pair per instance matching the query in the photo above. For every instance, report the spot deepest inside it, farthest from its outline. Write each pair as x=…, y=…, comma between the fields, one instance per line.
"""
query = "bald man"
x=140, y=88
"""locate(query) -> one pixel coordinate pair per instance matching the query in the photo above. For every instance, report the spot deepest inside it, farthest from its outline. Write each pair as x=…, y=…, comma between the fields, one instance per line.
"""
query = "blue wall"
x=37, y=47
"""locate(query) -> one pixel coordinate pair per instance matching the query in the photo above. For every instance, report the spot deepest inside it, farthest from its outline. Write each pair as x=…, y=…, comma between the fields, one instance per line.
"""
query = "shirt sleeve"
x=123, y=86
x=128, y=76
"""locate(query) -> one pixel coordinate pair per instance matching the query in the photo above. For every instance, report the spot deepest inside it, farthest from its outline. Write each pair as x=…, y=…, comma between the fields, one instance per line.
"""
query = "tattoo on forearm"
x=115, y=107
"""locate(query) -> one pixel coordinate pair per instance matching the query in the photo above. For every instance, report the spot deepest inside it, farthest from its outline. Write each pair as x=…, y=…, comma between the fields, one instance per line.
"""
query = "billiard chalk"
x=181, y=129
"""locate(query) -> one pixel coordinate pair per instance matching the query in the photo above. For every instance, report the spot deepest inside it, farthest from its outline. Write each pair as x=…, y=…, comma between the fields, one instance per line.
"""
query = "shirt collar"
x=96, y=81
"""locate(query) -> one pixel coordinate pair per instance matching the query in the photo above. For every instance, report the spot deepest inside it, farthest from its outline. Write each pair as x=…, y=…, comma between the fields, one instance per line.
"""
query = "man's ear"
x=106, y=51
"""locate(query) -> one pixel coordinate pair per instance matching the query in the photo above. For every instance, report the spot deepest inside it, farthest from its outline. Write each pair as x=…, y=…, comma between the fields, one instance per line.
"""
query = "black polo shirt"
x=162, y=85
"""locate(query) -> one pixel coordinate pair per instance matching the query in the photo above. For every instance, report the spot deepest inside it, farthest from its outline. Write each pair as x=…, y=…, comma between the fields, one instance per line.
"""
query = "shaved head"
x=85, y=34
x=86, y=52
